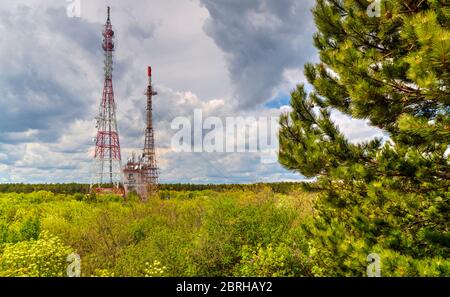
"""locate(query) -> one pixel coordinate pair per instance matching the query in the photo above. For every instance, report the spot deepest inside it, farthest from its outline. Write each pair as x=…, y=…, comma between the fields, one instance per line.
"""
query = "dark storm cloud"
x=39, y=82
x=261, y=39
x=36, y=104
x=81, y=34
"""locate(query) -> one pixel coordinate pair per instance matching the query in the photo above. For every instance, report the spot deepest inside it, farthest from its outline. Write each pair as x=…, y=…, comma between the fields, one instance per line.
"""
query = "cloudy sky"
x=227, y=58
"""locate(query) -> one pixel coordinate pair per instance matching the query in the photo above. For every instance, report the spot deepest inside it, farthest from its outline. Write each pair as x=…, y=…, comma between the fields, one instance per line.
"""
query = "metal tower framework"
x=141, y=173
x=107, y=160
x=150, y=168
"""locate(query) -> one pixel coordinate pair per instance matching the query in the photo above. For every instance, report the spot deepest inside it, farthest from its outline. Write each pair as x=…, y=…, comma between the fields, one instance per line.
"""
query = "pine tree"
x=390, y=196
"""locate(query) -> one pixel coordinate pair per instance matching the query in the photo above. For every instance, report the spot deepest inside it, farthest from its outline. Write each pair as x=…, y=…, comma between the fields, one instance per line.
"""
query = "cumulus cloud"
x=52, y=87
x=261, y=39
x=46, y=69
x=357, y=131
x=216, y=56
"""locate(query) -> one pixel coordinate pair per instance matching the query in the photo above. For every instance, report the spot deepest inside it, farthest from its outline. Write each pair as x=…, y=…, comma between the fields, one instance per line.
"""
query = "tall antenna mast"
x=141, y=173
x=150, y=168
x=107, y=159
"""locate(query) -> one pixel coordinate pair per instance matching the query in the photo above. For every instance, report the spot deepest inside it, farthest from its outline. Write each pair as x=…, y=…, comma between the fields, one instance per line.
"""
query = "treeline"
x=72, y=188
x=281, y=187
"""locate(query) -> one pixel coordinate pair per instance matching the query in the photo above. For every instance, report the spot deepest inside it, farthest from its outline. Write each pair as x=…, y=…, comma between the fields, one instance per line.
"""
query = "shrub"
x=272, y=261
x=154, y=269
x=43, y=257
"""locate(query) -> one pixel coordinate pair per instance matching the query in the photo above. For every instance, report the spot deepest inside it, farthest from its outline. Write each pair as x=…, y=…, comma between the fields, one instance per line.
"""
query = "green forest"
x=389, y=197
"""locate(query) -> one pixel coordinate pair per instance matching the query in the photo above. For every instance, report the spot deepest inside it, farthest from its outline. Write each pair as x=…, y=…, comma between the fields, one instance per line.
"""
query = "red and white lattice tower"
x=107, y=175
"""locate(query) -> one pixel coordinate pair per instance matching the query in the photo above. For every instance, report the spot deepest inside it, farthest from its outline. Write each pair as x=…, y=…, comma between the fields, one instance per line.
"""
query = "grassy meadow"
x=234, y=232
